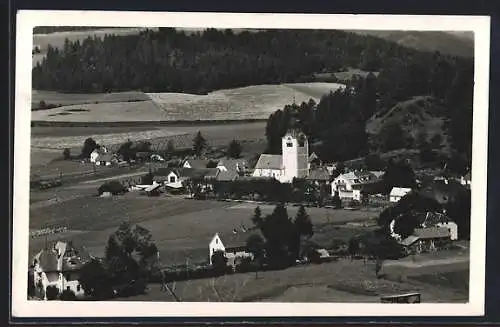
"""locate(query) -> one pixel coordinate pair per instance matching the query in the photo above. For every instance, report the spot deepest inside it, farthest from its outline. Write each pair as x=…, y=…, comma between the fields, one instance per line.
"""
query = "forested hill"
x=174, y=61
x=55, y=29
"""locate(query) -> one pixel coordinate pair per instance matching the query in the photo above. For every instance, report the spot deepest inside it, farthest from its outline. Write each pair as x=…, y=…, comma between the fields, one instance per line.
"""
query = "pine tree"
x=303, y=222
x=234, y=149
x=199, y=144
x=257, y=217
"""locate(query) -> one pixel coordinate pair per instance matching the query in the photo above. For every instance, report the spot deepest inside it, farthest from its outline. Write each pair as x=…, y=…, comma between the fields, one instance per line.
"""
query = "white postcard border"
x=26, y=20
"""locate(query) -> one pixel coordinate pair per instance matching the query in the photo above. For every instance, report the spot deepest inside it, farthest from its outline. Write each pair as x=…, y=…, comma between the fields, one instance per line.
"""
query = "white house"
x=350, y=185
x=397, y=193
x=59, y=267
x=466, y=180
x=292, y=163
x=235, y=248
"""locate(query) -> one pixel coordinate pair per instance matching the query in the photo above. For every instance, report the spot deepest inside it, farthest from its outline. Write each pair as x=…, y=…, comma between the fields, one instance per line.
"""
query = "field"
x=68, y=99
x=252, y=102
x=57, y=39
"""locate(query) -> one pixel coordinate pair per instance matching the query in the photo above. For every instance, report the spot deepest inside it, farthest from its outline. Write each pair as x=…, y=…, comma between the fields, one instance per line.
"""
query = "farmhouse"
x=292, y=163
x=319, y=175
x=426, y=239
x=397, y=193
x=234, y=247
x=60, y=267
x=352, y=184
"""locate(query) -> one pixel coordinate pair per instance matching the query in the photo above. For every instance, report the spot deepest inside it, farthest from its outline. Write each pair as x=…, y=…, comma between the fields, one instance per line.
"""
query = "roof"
x=432, y=232
x=208, y=172
x=313, y=157
x=399, y=191
x=433, y=218
x=232, y=164
x=48, y=260
x=198, y=163
x=105, y=157
x=238, y=237
x=409, y=240
x=362, y=177
x=187, y=172
x=269, y=161
x=227, y=176
x=468, y=176
x=319, y=174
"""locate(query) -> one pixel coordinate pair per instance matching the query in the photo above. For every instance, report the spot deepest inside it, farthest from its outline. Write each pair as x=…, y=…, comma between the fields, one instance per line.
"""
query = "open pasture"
x=252, y=102
x=68, y=99
x=181, y=227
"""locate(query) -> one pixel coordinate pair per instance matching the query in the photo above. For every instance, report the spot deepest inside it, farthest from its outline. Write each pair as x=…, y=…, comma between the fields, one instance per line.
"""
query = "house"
x=319, y=175
x=350, y=185
x=59, y=267
x=426, y=239
x=292, y=163
x=196, y=163
x=234, y=246
x=314, y=160
x=226, y=176
x=234, y=165
x=105, y=159
x=397, y=193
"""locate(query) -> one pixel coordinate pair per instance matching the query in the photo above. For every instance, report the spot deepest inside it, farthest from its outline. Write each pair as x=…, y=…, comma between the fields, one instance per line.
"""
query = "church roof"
x=269, y=161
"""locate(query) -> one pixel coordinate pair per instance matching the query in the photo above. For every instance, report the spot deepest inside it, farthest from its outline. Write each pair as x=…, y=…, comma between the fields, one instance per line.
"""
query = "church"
x=292, y=163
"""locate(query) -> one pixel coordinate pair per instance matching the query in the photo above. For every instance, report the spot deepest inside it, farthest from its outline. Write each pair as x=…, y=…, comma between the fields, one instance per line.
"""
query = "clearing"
x=252, y=102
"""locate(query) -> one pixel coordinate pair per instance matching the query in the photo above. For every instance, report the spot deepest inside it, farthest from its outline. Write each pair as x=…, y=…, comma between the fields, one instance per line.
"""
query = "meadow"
x=252, y=102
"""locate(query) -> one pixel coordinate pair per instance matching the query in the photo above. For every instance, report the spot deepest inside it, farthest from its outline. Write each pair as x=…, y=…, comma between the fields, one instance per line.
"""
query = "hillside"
x=421, y=115
x=452, y=43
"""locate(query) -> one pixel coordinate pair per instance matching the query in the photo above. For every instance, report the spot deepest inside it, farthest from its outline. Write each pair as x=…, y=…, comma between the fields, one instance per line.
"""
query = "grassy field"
x=181, y=227
x=68, y=99
x=252, y=102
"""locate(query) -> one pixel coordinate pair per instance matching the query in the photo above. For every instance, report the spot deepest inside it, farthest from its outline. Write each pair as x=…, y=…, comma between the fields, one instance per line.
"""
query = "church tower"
x=295, y=154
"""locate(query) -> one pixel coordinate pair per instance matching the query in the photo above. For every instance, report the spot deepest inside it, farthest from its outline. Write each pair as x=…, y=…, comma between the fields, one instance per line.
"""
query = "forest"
x=170, y=60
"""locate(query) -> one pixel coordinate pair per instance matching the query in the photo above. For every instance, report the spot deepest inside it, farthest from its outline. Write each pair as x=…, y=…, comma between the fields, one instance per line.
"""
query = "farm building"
x=105, y=159
x=59, y=267
x=319, y=175
x=352, y=184
x=397, y=193
x=426, y=239
x=234, y=246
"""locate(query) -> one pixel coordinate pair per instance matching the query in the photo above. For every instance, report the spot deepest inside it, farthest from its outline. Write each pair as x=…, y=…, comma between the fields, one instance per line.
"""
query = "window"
x=216, y=241
x=289, y=144
x=172, y=179
x=78, y=288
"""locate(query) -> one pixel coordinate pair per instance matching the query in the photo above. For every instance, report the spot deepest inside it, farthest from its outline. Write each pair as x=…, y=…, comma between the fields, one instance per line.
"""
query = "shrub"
x=113, y=187
x=67, y=295
x=67, y=154
x=52, y=293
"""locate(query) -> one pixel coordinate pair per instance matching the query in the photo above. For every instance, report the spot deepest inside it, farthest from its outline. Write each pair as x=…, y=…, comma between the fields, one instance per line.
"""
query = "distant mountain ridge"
x=453, y=43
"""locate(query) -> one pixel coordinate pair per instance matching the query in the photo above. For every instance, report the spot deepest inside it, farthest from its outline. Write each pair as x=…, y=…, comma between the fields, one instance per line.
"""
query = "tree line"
x=170, y=60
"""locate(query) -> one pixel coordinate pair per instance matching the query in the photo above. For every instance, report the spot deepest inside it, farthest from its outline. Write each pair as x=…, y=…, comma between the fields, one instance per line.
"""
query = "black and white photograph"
x=249, y=164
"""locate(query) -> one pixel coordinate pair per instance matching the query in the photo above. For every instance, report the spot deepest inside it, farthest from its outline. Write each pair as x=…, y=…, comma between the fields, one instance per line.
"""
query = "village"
x=297, y=180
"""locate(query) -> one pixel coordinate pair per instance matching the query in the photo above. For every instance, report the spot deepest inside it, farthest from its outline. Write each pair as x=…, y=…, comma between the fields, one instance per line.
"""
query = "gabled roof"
x=269, y=161
x=48, y=260
x=319, y=174
x=238, y=237
x=432, y=232
x=232, y=164
x=313, y=157
x=409, y=240
x=399, y=191
x=226, y=176
x=197, y=163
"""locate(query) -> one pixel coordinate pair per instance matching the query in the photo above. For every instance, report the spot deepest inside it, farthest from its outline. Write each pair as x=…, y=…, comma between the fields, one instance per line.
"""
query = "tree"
x=459, y=210
x=257, y=217
x=170, y=147
x=234, y=149
x=68, y=295
x=67, y=154
x=126, y=151
x=219, y=262
x=374, y=162
x=52, y=293
x=398, y=174
x=147, y=179
x=393, y=137
x=281, y=235
x=95, y=279
x=199, y=144
x=113, y=187
x=303, y=223
x=89, y=145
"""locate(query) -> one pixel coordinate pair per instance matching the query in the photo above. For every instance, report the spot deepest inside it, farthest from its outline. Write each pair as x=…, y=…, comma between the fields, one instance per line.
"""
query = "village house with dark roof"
x=196, y=163
x=233, y=245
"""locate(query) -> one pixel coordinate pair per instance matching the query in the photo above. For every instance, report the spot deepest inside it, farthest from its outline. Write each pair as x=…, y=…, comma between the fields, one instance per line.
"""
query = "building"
x=292, y=163
x=319, y=175
x=234, y=247
x=234, y=165
x=426, y=239
x=105, y=159
x=196, y=163
x=397, y=193
x=351, y=185
x=59, y=267
x=466, y=180
x=175, y=177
